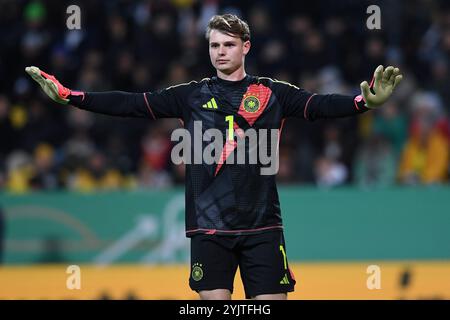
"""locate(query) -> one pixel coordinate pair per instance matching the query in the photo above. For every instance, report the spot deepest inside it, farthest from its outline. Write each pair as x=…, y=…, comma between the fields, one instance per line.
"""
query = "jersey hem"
x=190, y=233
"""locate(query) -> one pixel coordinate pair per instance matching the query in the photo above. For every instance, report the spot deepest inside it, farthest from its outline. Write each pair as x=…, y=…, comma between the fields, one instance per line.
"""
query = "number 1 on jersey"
x=230, y=120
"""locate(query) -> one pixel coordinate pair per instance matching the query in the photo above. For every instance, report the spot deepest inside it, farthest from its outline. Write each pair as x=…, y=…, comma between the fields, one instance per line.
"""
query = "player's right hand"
x=55, y=90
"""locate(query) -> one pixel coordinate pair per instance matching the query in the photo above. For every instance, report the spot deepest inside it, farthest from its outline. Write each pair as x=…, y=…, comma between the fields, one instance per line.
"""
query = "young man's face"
x=227, y=53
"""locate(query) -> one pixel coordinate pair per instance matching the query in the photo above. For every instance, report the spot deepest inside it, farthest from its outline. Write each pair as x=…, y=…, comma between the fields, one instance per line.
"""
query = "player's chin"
x=227, y=69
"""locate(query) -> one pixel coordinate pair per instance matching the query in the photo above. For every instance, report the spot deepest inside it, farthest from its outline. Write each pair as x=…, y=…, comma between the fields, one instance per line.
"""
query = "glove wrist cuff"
x=76, y=97
x=360, y=103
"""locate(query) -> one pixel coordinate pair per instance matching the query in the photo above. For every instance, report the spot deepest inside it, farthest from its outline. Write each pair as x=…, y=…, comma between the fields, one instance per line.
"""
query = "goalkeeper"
x=233, y=214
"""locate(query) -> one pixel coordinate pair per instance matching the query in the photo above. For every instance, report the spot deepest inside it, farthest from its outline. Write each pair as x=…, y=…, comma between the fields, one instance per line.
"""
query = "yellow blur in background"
x=396, y=280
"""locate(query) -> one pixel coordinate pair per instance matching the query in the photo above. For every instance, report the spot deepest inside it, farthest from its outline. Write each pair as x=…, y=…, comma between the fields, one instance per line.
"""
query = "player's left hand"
x=384, y=84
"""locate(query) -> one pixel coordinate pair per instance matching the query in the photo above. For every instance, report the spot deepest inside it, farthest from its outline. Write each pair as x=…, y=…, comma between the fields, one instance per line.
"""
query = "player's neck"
x=237, y=75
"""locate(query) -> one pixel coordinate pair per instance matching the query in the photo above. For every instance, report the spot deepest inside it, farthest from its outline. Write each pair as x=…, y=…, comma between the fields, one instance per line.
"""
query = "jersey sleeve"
x=168, y=102
x=165, y=103
x=297, y=102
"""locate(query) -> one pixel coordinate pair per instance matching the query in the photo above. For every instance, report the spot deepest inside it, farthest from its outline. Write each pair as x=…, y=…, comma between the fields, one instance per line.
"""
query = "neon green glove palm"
x=55, y=90
x=384, y=84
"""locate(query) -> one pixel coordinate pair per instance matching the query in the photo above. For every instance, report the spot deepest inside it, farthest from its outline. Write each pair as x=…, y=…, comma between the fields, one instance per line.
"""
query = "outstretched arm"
x=300, y=103
x=115, y=103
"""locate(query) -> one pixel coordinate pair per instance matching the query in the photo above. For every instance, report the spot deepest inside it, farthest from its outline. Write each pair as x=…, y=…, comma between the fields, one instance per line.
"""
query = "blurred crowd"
x=323, y=46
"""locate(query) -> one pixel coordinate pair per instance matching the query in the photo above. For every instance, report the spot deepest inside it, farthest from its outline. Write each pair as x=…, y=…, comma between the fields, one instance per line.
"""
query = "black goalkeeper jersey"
x=223, y=198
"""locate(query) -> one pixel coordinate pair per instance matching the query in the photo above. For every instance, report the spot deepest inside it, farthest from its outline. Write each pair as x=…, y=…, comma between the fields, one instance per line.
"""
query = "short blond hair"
x=229, y=24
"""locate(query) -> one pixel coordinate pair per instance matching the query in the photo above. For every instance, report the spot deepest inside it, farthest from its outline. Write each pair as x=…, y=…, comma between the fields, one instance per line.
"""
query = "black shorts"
x=261, y=259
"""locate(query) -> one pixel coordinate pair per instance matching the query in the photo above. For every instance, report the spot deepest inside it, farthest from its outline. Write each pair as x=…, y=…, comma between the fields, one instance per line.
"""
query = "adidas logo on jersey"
x=211, y=104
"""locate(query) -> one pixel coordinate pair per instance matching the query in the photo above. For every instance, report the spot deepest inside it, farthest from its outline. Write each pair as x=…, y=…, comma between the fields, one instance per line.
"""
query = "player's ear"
x=246, y=47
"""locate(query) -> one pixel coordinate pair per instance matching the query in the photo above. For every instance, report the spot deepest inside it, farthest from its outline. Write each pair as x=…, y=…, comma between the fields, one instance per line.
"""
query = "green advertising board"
x=148, y=226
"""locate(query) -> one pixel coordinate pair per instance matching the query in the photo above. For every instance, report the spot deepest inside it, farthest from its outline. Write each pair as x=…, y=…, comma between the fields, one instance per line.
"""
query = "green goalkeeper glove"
x=382, y=85
x=55, y=90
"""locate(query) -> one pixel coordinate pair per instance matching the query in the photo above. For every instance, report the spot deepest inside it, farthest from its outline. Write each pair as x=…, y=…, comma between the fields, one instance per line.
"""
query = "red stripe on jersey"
x=214, y=231
x=226, y=151
x=306, y=105
x=148, y=106
x=78, y=93
x=262, y=93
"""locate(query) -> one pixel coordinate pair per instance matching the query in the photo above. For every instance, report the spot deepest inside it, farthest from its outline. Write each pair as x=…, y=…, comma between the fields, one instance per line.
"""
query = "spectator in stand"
x=425, y=157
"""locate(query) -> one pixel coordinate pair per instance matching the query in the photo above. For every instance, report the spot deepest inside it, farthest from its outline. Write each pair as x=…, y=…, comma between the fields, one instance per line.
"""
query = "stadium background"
x=100, y=192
